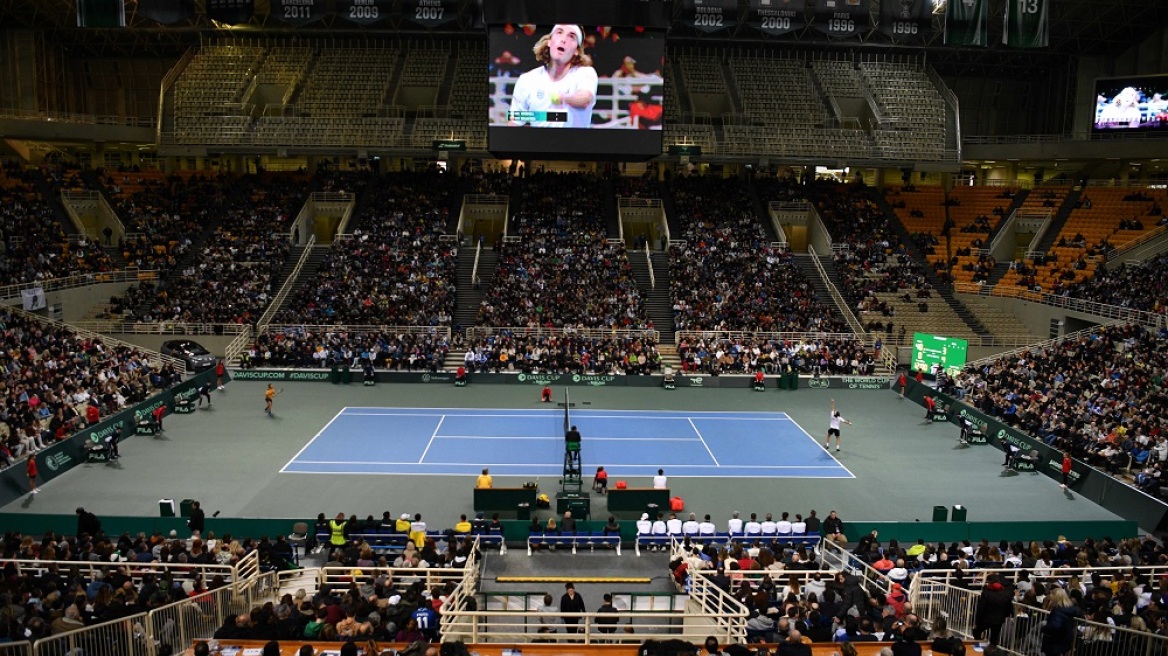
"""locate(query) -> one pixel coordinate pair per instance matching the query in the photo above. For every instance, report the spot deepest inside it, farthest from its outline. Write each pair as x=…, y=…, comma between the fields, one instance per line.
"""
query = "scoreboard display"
x=932, y=353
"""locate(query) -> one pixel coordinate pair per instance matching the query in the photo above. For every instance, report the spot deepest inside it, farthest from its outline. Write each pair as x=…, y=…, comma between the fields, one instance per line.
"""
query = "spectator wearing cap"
x=403, y=524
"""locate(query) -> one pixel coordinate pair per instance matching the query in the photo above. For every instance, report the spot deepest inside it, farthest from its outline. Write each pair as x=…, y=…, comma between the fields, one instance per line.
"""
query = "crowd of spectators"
x=56, y=383
x=716, y=355
x=394, y=270
x=874, y=261
x=727, y=276
x=566, y=354
x=1140, y=286
x=230, y=280
x=35, y=245
x=557, y=268
x=1099, y=397
x=163, y=216
x=301, y=348
x=114, y=577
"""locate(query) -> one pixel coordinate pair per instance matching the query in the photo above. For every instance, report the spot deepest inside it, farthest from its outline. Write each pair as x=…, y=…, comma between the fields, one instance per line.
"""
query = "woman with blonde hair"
x=1058, y=634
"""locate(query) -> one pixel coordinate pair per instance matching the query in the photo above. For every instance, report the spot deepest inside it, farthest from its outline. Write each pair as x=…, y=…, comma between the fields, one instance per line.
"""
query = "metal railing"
x=837, y=558
x=485, y=199
x=1022, y=633
x=443, y=331
x=649, y=262
x=289, y=283
x=836, y=296
x=1035, y=346
x=22, y=648
x=646, y=203
x=237, y=346
x=795, y=337
x=180, y=623
x=588, y=333
x=708, y=610
x=166, y=327
x=474, y=271
x=1045, y=575
x=1137, y=242
x=1104, y=310
x=84, y=119
x=83, y=280
x=176, y=624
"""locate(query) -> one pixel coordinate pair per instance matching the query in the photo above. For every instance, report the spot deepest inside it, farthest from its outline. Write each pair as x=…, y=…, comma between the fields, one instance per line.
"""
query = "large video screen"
x=576, y=91
x=1138, y=104
x=933, y=353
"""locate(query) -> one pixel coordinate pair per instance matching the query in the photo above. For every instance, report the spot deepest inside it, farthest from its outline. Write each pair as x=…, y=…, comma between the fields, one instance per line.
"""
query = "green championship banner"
x=967, y=22
x=1026, y=24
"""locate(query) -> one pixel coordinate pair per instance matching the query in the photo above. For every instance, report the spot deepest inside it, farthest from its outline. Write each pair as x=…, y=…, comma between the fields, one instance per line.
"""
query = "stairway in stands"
x=471, y=295
x=307, y=274
x=1059, y=219
x=911, y=319
x=811, y=272
x=657, y=298
x=763, y=213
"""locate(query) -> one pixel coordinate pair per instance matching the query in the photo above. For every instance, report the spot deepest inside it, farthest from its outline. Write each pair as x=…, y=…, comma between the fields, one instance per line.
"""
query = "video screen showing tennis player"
x=572, y=77
x=1138, y=104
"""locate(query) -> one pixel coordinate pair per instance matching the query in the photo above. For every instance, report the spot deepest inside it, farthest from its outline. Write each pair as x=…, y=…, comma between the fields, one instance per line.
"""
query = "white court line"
x=318, y=434
x=521, y=464
x=432, y=436
x=703, y=441
x=804, y=430
x=782, y=416
x=586, y=439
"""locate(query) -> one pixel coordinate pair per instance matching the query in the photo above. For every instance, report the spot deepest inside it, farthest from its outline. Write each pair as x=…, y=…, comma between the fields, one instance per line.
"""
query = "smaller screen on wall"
x=1131, y=104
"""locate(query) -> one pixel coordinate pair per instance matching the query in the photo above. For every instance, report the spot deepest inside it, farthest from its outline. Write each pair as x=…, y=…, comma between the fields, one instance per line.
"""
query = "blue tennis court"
x=461, y=441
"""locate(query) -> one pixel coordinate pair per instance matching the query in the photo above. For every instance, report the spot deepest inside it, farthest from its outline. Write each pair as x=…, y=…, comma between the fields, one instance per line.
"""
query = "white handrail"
x=840, y=302
x=286, y=288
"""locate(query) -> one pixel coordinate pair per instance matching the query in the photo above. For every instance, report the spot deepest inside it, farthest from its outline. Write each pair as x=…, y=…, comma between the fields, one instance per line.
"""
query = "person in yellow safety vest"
x=337, y=531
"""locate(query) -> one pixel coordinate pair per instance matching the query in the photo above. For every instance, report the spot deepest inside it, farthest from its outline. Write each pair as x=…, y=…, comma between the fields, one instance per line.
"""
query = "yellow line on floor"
x=573, y=579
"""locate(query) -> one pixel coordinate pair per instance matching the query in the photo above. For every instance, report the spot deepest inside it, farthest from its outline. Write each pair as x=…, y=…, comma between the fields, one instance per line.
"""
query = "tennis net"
x=567, y=413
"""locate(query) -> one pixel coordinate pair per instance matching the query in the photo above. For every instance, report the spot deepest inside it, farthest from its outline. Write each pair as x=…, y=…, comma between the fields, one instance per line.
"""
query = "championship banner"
x=101, y=13
x=906, y=20
x=33, y=299
x=841, y=18
x=966, y=22
x=364, y=12
x=1026, y=24
x=298, y=12
x=167, y=12
x=776, y=17
x=430, y=13
x=232, y=12
x=709, y=16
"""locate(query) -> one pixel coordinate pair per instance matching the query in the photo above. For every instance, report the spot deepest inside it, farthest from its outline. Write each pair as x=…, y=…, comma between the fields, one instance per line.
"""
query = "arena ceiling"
x=1077, y=28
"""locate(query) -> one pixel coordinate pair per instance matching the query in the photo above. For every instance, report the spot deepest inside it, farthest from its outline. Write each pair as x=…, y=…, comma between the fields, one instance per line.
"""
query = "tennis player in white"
x=834, y=428
x=566, y=80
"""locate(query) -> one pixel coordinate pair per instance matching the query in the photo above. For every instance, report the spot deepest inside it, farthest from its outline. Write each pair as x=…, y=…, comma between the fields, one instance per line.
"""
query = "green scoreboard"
x=930, y=351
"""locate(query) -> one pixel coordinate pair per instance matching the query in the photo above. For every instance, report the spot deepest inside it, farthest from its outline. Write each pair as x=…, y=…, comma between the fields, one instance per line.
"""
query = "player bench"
x=774, y=540
x=392, y=543
x=590, y=539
